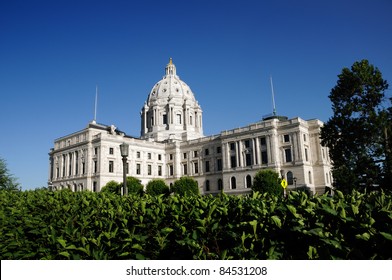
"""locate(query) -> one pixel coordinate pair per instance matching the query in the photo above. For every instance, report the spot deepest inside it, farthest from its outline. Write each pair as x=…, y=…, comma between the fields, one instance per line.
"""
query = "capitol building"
x=172, y=145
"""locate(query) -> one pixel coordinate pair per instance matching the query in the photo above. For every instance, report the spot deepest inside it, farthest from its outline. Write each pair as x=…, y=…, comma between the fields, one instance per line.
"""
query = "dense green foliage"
x=185, y=186
x=359, y=132
x=112, y=187
x=267, y=181
x=7, y=181
x=85, y=225
x=157, y=187
x=134, y=186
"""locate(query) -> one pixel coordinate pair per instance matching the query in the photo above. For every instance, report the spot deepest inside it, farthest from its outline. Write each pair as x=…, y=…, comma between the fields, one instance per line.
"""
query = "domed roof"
x=171, y=86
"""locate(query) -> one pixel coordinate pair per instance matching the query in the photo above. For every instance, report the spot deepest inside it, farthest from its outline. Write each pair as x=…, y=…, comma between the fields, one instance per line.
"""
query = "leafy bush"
x=86, y=225
x=267, y=181
x=186, y=186
x=157, y=187
x=112, y=187
x=134, y=186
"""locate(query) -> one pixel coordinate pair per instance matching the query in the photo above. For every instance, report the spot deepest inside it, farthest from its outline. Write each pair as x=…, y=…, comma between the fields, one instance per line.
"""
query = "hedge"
x=84, y=225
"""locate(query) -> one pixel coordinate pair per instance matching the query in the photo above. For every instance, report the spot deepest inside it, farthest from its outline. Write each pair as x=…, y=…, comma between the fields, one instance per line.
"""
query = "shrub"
x=112, y=187
x=134, y=186
x=88, y=225
x=157, y=187
x=267, y=181
x=186, y=186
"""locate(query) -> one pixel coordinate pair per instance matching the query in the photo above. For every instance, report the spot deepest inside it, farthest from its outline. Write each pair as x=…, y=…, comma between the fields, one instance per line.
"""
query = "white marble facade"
x=172, y=145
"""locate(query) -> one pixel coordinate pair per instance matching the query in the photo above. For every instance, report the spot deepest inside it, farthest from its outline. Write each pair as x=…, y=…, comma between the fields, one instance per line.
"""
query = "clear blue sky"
x=54, y=53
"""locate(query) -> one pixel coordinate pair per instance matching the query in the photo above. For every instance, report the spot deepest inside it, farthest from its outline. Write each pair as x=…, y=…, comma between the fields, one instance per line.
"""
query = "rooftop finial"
x=171, y=68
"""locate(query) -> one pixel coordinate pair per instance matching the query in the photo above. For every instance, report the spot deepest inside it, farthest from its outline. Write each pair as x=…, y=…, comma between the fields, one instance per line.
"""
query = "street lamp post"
x=124, y=149
x=295, y=182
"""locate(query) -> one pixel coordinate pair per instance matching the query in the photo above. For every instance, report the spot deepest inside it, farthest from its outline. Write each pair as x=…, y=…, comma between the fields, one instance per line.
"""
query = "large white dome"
x=171, y=86
x=171, y=110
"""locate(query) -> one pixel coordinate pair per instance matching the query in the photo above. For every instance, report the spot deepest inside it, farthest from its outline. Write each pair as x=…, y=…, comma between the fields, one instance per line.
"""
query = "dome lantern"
x=170, y=68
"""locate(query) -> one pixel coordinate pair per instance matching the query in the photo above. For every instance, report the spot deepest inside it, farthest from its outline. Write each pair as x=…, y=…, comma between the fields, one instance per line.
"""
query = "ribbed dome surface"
x=171, y=86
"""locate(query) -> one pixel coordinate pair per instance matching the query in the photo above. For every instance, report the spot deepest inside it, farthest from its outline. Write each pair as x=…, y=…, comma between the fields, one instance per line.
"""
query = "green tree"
x=112, y=187
x=134, y=186
x=186, y=186
x=7, y=181
x=157, y=187
x=267, y=181
x=354, y=134
x=387, y=132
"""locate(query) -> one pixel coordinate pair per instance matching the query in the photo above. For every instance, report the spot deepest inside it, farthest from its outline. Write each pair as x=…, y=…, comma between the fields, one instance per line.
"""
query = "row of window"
x=233, y=183
x=138, y=154
x=178, y=119
x=138, y=170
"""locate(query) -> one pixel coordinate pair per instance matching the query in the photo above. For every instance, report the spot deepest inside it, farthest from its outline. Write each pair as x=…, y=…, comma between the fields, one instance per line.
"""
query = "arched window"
x=233, y=183
x=220, y=184
x=290, y=177
x=207, y=185
x=248, y=181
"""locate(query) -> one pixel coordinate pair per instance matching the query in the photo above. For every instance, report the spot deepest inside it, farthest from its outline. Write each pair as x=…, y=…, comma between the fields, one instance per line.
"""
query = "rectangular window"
x=218, y=150
x=287, y=153
x=233, y=161
x=207, y=185
x=137, y=154
x=159, y=170
x=206, y=152
x=207, y=166
x=195, y=153
x=178, y=118
x=247, y=143
x=149, y=169
x=111, y=166
x=95, y=151
x=111, y=151
x=95, y=166
x=248, y=159
x=219, y=164
x=196, y=165
x=149, y=155
x=159, y=157
x=184, y=155
x=76, y=163
x=232, y=146
x=306, y=154
x=286, y=138
x=263, y=141
x=138, y=169
x=171, y=156
x=264, y=157
x=63, y=166
x=185, y=169
x=171, y=169
x=70, y=165
x=83, y=168
x=164, y=121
